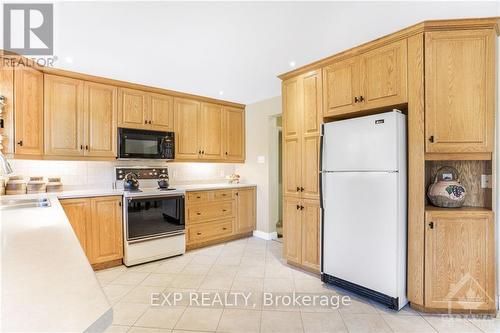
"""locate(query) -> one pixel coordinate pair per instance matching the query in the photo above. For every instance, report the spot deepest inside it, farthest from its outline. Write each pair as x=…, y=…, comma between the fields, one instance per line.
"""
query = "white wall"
x=260, y=124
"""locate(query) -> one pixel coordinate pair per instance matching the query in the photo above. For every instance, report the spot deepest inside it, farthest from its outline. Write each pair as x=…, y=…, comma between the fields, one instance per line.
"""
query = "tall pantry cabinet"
x=302, y=115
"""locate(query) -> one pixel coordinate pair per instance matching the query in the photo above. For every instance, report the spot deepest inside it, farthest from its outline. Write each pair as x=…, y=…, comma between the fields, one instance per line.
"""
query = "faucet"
x=5, y=167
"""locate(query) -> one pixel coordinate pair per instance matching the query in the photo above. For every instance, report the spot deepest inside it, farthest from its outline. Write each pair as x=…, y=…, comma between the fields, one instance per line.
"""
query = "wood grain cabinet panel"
x=63, y=116
x=133, y=109
x=292, y=229
x=309, y=179
x=384, y=76
x=106, y=229
x=187, y=125
x=245, y=206
x=459, y=91
x=459, y=260
x=292, y=111
x=341, y=87
x=78, y=213
x=100, y=105
x=312, y=89
x=161, y=113
x=292, y=163
x=28, y=97
x=211, y=131
x=310, y=221
x=234, y=134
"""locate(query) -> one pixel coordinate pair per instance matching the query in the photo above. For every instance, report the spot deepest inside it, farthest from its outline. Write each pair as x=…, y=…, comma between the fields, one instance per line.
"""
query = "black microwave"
x=137, y=144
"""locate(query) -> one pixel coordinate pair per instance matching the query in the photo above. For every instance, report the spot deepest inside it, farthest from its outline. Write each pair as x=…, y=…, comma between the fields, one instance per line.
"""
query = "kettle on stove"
x=130, y=182
x=163, y=181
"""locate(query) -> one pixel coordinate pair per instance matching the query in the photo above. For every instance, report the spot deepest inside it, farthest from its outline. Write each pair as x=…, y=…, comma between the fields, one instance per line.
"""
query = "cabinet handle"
x=198, y=213
x=237, y=193
x=198, y=197
x=431, y=225
x=199, y=152
x=226, y=152
x=298, y=207
x=119, y=203
x=361, y=98
x=431, y=139
x=356, y=99
x=298, y=189
x=81, y=147
x=301, y=189
x=203, y=152
x=301, y=207
x=149, y=122
x=145, y=121
x=20, y=143
x=223, y=194
x=198, y=233
x=224, y=210
x=224, y=228
x=86, y=147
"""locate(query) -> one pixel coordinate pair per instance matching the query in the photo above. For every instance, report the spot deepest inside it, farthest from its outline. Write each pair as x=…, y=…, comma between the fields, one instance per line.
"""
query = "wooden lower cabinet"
x=97, y=223
x=301, y=229
x=459, y=260
x=215, y=216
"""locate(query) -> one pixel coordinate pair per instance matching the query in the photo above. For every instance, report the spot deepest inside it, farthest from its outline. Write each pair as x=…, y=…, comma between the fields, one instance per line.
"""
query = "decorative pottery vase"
x=447, y=191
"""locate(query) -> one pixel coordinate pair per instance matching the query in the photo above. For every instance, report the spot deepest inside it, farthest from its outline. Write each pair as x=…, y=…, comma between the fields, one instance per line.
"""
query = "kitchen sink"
x=6, y=203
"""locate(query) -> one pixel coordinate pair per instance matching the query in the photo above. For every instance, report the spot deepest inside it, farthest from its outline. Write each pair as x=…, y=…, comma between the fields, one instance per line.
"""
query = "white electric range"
x=153, y=218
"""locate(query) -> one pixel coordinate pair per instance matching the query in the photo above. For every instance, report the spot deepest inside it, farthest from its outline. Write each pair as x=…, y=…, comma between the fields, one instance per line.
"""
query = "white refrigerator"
x=363, y=199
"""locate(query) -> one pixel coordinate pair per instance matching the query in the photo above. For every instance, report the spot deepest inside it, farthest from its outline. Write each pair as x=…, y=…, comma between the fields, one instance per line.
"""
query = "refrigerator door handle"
x=320, y=175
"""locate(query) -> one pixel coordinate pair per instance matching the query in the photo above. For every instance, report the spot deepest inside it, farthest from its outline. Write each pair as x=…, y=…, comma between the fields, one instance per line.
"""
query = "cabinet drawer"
x=193, y=197
x=223, y=195
x=216, y=210
x=208, y=231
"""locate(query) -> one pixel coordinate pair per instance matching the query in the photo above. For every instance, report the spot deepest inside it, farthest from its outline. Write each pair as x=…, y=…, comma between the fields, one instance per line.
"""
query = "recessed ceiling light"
x=292, y=63
x=221, y=92
x=69, y=60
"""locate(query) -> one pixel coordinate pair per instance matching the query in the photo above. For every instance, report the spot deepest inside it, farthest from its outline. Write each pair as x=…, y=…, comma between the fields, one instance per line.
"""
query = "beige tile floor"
x=252, y=265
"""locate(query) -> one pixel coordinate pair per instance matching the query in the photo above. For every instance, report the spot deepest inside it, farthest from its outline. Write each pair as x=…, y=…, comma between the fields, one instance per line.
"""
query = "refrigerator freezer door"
x=360, y=230
x=370, y=143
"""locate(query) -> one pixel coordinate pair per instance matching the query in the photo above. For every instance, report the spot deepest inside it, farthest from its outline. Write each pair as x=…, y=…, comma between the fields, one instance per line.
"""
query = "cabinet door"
x=133, y=109
x=245, y=208
x=341, y=86
x=161, y=112
x=106, y=235
x=64, y=116
x=311, y=234
x=78, y=213
x=309, y=180
x=459, y=260
x=292, y=110
x=211, y=131
x=28, y=97
x=234, y=134
x=312, y=112
x=460, y=91
x=292, y=161
x=292, y=230
x=187, y=128
x=383, y=75
x=100, y=120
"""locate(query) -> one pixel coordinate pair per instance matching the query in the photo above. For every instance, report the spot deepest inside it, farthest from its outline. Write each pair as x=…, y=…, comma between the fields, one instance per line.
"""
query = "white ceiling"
x=239, y=48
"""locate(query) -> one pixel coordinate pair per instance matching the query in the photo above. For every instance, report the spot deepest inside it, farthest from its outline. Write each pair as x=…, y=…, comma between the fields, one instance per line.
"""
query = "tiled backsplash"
x=87, y=175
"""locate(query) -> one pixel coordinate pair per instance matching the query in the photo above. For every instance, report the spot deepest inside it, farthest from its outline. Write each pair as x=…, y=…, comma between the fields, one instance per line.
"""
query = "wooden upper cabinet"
x=133, y=108
x=459, y=260
x=64, y=116
x=292, y=111
x=341, y=87
x=211, y=131
x=234, y=134
x=311, y=234
x=187, y=125
x=292, y=230
x=100, y=104
x=28, y=97
x=312, y=103
x=460, y=91
x=106, y=237
x=245, y=203
x=78, y=213
x=384, y=75
x=161, y=112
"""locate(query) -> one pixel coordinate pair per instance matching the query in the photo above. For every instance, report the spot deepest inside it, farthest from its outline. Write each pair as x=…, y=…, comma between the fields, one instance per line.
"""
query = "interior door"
x=187, y=129
x=133, y=109
x=28, y=98
x=459, y=267
x=100, y=120
x=234, y=134
x=211, y=131
x=360, y=241
x=341, y=87
x=63, y=116
x=460, y=91
x=292, y=230
x=161, y=112
x=384, y=76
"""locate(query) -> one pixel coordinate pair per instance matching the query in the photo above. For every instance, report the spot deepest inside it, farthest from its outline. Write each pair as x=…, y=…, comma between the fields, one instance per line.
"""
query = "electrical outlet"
x=485, y=181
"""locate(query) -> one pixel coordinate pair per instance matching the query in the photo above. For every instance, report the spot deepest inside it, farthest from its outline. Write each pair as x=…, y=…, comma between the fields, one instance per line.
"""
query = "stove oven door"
x=153, y=217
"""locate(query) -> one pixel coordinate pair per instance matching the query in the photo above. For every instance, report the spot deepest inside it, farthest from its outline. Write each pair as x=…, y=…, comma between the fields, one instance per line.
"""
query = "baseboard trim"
x=265, y=235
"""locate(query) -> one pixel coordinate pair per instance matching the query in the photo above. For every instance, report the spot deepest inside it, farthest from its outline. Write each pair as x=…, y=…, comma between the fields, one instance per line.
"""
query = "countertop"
x=47, y=281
